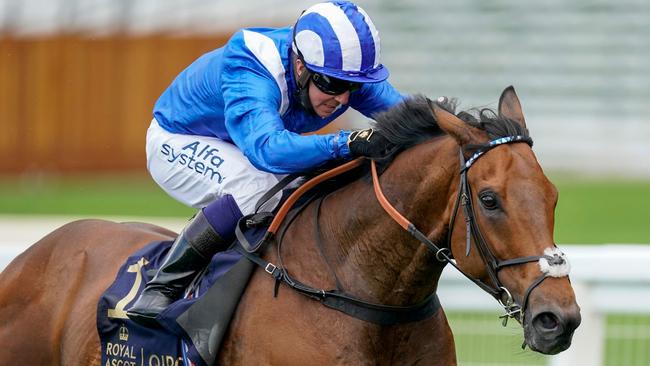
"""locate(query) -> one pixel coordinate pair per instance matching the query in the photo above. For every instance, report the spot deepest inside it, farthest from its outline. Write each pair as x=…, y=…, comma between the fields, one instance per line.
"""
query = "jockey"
x=231, y=123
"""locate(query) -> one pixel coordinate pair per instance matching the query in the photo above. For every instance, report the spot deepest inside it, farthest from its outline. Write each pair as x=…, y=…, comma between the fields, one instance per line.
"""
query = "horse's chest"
x=293, y=330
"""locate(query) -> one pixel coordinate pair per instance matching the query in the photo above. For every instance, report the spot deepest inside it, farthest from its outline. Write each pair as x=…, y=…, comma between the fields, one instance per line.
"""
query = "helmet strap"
x=302, y=87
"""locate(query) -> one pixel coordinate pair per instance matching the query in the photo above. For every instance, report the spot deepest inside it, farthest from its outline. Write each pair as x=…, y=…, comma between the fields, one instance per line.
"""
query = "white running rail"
x=608, y=279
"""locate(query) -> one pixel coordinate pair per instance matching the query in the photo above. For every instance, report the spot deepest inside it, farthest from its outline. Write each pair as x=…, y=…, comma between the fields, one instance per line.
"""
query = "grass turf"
x=114, y=195
x=596, y=211
x=590, y=210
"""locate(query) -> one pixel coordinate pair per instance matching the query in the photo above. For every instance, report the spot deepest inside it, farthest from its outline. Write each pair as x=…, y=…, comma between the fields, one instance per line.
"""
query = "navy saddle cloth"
x=192, y=328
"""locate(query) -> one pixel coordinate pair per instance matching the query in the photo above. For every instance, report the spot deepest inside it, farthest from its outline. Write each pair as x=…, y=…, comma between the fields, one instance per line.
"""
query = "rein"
x=336, y=299
x=492, y=263
x=387, y=314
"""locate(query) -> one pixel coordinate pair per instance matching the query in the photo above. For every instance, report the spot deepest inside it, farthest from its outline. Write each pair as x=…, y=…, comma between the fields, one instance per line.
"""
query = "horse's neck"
x=371, y=255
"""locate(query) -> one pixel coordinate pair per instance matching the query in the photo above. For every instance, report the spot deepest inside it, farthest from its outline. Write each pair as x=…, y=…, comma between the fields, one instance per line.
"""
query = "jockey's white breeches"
x=197, y=170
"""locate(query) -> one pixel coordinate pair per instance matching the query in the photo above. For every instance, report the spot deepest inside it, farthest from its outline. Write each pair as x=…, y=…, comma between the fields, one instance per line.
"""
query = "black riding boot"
x=189, y=254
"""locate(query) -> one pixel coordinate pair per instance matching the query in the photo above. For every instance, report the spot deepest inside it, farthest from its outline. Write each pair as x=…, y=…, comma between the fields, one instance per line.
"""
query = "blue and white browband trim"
x=494, y=143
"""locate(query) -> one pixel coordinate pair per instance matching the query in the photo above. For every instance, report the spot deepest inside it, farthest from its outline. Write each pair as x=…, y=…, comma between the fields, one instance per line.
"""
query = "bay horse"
x=49, y=294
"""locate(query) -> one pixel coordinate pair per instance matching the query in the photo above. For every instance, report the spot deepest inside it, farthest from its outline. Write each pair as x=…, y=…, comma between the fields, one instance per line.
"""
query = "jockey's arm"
x=252, y=100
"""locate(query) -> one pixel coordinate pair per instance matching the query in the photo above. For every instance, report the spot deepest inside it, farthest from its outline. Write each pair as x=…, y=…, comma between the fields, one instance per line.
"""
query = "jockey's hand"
x=369, y=143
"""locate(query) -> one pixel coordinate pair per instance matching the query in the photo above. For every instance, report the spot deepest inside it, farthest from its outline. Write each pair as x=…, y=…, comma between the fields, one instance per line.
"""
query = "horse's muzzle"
x=549, y=330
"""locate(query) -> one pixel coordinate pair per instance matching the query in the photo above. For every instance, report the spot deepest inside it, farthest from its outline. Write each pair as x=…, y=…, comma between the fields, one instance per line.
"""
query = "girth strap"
x=375, y=313
x=379, y=314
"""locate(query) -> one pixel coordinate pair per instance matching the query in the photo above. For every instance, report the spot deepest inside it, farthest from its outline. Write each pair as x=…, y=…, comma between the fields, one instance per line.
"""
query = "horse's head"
x=507, y=204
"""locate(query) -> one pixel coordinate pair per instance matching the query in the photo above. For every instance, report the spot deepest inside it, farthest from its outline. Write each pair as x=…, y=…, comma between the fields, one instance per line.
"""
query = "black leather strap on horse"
x=265, y=218
x=279, y=218
x=493, y=264
x=261, y=218
x=275, y=189
x=306, y=187
x=408, y=226
x=375, y=313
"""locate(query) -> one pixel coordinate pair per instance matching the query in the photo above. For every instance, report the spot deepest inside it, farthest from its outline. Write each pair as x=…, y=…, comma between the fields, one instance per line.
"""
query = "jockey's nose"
x=342, y=98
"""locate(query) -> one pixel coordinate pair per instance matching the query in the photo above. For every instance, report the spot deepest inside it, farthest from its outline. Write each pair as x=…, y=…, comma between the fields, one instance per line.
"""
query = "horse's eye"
x=489, y=200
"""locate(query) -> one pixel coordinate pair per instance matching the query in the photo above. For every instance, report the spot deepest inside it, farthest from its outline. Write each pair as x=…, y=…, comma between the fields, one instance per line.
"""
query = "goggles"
x=333, y=86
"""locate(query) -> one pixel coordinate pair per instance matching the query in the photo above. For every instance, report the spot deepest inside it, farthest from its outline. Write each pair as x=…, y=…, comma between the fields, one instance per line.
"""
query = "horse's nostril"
x=547, y=321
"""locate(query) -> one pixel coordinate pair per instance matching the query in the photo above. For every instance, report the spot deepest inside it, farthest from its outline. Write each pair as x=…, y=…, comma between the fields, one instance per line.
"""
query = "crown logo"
x=124, y=333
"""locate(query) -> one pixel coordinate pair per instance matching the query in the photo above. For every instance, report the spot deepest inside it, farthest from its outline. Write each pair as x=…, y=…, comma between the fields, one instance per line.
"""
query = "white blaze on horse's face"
x=558, y=266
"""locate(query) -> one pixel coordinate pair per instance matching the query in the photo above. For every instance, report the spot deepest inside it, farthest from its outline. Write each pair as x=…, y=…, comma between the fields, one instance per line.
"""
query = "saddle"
x=193, y=327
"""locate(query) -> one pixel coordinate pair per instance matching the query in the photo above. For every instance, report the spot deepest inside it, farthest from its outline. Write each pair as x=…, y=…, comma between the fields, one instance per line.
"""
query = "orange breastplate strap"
x=288, y=204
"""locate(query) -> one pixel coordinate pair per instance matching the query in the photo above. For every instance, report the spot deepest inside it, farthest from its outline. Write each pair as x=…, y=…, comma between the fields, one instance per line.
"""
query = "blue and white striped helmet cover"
x=339, y=39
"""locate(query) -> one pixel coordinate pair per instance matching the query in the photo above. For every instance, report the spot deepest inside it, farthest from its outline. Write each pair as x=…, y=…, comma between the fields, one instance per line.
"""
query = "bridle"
x=388, y=314
x=492, y=263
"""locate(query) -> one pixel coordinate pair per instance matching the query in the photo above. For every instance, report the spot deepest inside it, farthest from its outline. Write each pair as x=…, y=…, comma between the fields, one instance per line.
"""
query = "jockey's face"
x=324, y=104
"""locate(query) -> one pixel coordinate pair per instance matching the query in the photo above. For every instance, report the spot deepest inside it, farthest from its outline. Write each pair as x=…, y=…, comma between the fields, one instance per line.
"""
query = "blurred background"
x=78, y=79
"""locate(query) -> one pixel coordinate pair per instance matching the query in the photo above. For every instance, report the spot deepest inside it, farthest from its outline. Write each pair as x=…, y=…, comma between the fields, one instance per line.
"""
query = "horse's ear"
x=510, y=107
x=454, y=126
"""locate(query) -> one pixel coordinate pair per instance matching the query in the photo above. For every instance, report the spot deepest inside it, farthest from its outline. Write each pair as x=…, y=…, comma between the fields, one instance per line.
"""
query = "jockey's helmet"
x=339, y=40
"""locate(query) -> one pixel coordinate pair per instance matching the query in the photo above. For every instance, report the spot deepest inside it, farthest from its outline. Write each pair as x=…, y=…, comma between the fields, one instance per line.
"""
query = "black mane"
x=412, y=121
